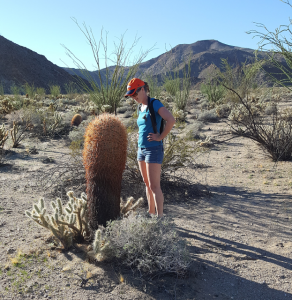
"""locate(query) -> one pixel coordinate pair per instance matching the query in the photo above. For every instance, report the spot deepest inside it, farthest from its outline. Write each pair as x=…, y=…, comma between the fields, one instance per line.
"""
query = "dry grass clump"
x=149, y=244
x=194, y=130
x=208, y=116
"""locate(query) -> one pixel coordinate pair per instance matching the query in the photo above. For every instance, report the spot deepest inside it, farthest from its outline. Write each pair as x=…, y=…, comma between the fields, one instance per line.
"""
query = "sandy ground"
x=239, y=235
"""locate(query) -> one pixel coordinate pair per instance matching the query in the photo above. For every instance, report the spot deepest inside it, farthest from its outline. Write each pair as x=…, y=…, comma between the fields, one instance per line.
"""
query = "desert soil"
x=239, y=234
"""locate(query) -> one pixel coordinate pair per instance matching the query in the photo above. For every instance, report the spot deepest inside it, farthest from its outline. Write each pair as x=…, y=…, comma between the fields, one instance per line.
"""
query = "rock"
x=10, y=250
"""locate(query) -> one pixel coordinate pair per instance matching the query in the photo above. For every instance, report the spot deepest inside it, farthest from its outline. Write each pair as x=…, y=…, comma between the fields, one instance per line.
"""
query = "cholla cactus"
x=3, y=135
x=67, y=223
x=241, y=114
x=17, y=132
x=106, y=108
x=223, y=110
x=179, y=114
x=101, y=248
x=206, y=143
x=129, y=207
x=57, y=121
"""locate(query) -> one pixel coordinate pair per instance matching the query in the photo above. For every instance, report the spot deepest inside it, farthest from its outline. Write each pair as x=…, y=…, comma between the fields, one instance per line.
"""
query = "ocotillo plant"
x=104, y=158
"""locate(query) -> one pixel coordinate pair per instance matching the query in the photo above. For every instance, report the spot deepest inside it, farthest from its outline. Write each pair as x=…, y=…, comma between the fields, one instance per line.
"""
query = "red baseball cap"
x=133, y=85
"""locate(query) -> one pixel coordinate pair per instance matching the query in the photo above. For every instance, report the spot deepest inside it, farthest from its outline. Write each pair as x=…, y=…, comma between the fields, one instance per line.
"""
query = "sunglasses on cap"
x=137, y=91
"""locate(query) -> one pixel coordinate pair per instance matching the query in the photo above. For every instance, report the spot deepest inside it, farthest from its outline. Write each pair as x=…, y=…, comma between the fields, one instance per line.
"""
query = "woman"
x=150, y=145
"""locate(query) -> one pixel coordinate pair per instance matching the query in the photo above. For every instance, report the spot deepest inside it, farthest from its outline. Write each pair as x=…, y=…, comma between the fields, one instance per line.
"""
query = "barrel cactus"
x=76, y=120
x=104, y=158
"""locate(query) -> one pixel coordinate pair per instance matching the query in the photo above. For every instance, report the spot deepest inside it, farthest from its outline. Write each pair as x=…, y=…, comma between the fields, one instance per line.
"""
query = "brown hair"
x=146, y=87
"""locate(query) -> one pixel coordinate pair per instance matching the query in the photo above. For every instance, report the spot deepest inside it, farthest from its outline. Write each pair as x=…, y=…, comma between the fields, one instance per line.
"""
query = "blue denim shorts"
x=151, y=154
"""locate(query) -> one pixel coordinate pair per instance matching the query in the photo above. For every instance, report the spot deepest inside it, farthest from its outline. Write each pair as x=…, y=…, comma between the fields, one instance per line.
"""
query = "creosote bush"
x=149, y=244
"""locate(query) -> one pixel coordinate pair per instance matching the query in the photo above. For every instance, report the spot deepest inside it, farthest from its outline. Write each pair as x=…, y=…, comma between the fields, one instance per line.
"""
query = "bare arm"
x=170, y=121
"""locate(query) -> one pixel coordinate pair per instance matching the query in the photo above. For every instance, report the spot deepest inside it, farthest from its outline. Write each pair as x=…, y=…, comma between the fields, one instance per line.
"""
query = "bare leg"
x=149, y=194
x=154, y=171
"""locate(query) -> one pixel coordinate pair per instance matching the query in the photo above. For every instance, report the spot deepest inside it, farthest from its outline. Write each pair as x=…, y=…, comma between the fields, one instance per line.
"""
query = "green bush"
x=71, y=88
x=171, y=85
x=30, y=90
x=55, y=90
x=40, y=91
x=213, y=91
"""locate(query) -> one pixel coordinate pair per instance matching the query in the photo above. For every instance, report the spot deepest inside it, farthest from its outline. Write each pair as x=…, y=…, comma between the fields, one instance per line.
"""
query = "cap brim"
x=130, y=92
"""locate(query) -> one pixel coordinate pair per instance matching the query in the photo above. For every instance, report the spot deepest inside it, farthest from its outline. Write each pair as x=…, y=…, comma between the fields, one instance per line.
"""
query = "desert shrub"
x=15, y=90
x=194, y=130
x=248, y=119
x=17, y=102
x=18, y=133
x=40, y=92
x=1, y=89
x=286, y=114
x=177, y=83
x=7, y=105
x=77, y=134
x=179, y=114
x=3, y=136
x=208, y=116
x=30, y=90
x=71, y=88
x=150, y=245
x=205, y=104
x=213, y=90
x=171, y=85
x=55, y=90
x=239, y=81
x=76, y=148
x=223, y=110
x=271, y=109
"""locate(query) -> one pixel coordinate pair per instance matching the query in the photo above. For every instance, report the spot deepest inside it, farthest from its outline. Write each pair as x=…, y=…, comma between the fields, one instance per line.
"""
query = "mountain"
x=19, y=65
x=203, y=55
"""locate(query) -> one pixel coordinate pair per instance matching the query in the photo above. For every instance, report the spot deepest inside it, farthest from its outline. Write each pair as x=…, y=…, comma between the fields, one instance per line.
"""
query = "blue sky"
x=43, y=26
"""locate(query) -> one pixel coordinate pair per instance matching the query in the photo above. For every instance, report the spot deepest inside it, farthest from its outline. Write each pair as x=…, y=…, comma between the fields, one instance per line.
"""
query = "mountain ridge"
x=19, y=64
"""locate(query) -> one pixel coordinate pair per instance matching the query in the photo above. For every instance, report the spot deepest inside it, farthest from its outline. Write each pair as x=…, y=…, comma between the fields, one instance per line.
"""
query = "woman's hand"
x=154, y=137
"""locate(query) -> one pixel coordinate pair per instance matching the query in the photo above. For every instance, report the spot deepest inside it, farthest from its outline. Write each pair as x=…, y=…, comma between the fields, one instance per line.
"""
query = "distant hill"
x=19, y=65
x=203, y=55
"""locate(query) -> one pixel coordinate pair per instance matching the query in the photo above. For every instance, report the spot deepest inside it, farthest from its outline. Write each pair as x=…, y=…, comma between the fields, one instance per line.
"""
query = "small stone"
x=10, y=251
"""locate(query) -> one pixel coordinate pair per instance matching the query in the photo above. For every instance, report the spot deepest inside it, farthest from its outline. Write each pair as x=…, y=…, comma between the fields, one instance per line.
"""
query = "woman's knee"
x=155, y=188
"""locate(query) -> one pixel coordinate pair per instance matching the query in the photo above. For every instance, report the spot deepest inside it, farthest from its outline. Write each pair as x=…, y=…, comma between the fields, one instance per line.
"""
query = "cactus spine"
x=104, y=158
